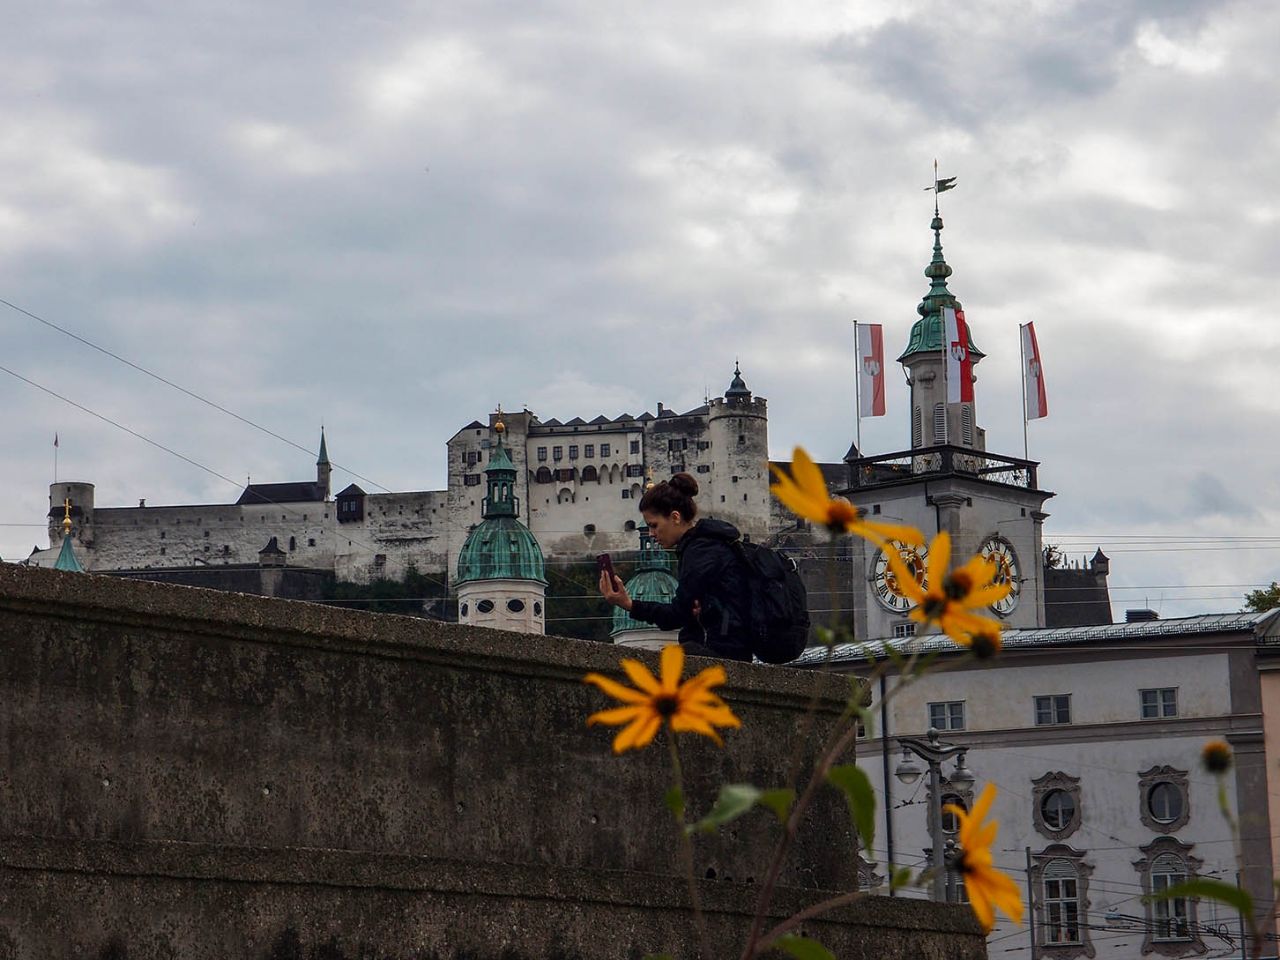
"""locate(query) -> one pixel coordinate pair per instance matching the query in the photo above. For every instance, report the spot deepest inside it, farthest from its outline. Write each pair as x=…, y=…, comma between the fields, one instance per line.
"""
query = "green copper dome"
x=653, y=581
x=926, y=333
x=67, y=558
x=501, y=547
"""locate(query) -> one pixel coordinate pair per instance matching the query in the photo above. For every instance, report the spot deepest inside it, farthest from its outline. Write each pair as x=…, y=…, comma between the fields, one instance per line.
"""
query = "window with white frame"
x=1159, y=702
x=1169, y=917
x=1061, y=903
x=1171, y=925
x=1053, y=710
x=948, y=715
x=902, y=630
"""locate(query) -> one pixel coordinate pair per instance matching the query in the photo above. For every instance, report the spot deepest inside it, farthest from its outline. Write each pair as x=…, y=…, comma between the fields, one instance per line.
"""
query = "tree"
x=1260, y=600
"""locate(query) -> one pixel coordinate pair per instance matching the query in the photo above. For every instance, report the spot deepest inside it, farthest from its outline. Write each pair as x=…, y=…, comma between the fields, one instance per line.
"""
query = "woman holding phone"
x=711, y=607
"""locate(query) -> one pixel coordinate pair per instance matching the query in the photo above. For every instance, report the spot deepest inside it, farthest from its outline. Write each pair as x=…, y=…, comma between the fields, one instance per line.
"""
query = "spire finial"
x=66, y=518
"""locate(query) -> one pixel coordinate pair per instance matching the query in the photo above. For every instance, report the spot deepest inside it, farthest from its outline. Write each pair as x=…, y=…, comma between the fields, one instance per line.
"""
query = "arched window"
x=564, y=496
x=1170, y=916
x=543, y=475
x=589, y=473
x=589, y=529
x=917, y=432
x=629, y=526
x=950, y=822
x=939, y=423
x=1061, y=902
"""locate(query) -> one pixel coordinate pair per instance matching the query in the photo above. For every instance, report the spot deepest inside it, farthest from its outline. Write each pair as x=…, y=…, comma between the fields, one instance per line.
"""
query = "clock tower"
x=946, y=480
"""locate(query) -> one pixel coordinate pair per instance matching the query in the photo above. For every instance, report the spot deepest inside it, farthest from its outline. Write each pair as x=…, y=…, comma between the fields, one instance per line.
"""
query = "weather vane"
x=939, y=185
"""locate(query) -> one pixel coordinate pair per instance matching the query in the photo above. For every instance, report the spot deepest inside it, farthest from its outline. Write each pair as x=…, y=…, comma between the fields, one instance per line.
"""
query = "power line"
x=169, y=383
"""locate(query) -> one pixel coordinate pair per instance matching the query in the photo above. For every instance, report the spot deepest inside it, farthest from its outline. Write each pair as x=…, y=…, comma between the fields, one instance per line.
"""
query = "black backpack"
x=779, y=628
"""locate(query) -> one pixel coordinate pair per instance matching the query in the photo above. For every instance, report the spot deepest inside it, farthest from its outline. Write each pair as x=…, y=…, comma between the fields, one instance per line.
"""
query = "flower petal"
x=614, y=689
x=906, y=579
x=807, y=475
x=686, y=723
x=888, y=531
x=704, y=680
x=939, y=559
x=672, y=667
x=640, y=676
x=617, y=715
x=638, y=735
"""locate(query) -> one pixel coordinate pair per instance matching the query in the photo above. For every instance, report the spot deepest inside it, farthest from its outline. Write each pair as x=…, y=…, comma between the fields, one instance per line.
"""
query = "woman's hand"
x=612, y=589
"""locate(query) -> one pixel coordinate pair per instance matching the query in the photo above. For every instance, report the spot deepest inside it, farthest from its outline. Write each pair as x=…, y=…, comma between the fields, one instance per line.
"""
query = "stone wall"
x=189, y=773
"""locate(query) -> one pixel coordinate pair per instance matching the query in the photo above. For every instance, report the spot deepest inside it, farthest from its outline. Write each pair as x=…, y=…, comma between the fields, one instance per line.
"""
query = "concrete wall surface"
x=190, y=773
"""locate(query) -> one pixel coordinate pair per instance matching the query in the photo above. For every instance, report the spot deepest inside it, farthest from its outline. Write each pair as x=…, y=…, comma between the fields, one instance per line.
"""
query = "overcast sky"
x=393, y=219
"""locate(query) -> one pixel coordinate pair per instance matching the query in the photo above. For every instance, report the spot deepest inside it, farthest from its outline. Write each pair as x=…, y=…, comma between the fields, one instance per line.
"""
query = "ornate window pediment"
x=1060, y=877
x=1171, y=927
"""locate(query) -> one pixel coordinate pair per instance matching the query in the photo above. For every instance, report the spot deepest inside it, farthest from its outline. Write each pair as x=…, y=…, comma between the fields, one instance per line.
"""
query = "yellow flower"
x=1215, y=757
x=685, y=707
x=987, y=887
x=946, y=598
x=804, y=493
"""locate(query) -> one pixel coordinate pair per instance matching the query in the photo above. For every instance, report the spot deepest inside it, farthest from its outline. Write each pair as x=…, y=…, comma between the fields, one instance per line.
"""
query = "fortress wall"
x=202, y=774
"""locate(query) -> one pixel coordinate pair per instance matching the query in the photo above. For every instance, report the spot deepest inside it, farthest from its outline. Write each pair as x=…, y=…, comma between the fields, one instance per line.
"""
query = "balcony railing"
x=941, y=461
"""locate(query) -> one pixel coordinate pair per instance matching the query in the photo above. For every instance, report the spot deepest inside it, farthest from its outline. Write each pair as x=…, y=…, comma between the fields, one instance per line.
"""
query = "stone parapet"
x=190, y=773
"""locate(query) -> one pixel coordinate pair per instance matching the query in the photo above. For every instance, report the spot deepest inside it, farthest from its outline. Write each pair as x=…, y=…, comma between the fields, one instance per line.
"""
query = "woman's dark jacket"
x=711, y=572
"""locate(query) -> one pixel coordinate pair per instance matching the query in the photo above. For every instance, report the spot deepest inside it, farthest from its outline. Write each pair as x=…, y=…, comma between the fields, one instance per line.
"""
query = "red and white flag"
x=1033, y=375
x=959, y=366
x=871, y=369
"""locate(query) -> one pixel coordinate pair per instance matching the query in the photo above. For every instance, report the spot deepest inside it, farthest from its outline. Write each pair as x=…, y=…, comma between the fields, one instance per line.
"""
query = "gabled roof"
x=553, y=422
x=353, y=490
x=1050, y=637
x=701, y=411
x=600, y=419
x=623, y=416
x=270, y=493
x=646, y=417
x=576, y=422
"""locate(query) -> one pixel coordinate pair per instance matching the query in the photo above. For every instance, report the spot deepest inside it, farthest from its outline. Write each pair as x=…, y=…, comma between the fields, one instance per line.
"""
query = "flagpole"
x=857, y=390
x=1022, y=350
x=55, y=458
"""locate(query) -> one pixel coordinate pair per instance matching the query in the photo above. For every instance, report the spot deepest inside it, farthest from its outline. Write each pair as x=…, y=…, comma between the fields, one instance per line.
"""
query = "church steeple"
x=935, y=420
x=500, y=500
x=66, y=556
x=324, y=469
x=737, y=387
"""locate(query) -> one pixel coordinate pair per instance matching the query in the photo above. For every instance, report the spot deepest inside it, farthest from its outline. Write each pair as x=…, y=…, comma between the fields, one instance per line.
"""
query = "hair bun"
x=685, y=484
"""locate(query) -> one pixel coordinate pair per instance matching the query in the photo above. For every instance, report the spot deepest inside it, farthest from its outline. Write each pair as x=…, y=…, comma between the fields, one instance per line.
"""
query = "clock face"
x=885, y=582
x=1000, y=552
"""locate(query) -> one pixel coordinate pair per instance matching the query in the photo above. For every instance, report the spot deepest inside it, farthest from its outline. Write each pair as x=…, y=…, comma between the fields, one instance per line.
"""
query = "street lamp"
x=934, y=752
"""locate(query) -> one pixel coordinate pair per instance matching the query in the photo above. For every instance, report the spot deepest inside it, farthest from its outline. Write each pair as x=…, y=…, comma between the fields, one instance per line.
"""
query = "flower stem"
x=686, y=846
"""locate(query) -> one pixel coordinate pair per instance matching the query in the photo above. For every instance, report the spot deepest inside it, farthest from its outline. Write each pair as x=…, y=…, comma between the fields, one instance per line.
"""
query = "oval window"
x=484, y=606
x=537, y=608
x=1164, y=802
x=463, y=611
x=515, y=606
x=1057, y=808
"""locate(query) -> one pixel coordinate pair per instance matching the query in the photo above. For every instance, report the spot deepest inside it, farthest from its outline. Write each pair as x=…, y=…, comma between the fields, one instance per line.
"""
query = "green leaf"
x=860, y=797
x=825, y=637
x=674, y=799
x=779, y=801
x=1211, y=890
x=735, y=799
x=802, y=948
x=899, y=877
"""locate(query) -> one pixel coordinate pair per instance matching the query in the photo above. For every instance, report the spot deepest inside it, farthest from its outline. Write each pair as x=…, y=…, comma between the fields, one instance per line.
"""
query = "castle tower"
x=738, y=429
x=80, y=496
x=655, y=581
x=934, y=420
x=67, y=556
x=501, y=579
x=324, y=469
x=986, y=503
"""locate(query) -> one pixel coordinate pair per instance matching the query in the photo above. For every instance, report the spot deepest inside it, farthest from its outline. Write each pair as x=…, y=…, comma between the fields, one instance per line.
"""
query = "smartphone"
x=604, y=563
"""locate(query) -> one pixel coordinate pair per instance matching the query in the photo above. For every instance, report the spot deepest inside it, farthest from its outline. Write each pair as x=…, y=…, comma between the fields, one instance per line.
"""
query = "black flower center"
x=934, y=606
x=957, y=585
x=665, y=705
